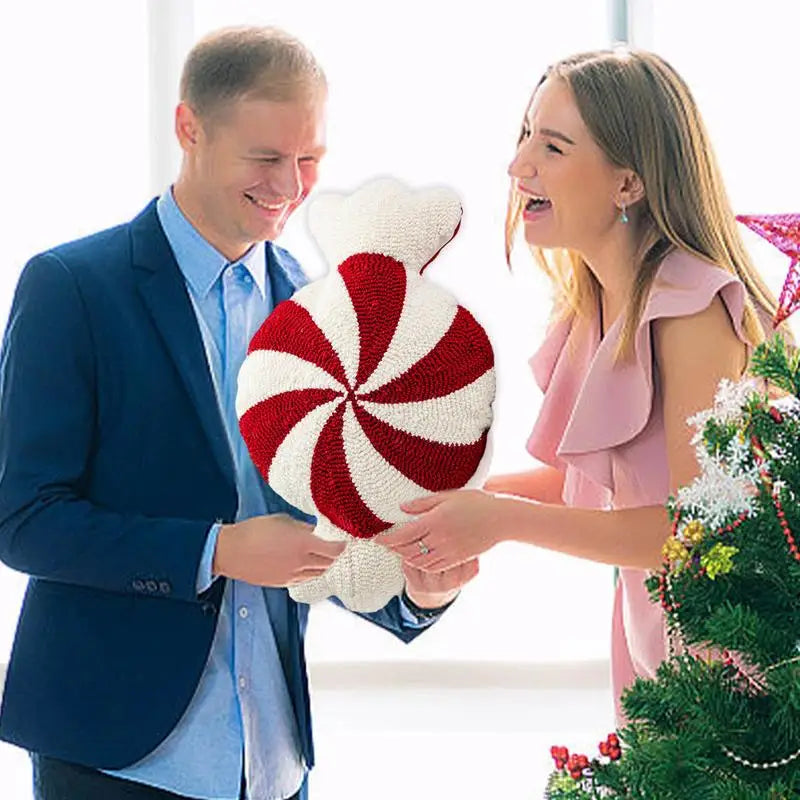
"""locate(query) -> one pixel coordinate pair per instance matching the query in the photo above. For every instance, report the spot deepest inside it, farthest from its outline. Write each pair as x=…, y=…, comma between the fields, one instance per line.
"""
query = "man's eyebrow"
x=264, y=151
x=268, y=151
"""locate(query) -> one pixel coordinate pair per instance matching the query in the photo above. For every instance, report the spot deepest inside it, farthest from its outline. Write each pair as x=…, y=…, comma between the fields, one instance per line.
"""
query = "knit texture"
x=371, y=386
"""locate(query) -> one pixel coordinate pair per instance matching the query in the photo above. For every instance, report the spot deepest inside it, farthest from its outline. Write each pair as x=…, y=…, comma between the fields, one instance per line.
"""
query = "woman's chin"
x=538, y=239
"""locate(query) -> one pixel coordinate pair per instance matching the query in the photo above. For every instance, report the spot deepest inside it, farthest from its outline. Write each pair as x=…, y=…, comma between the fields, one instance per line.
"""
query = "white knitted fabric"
x=371, y=386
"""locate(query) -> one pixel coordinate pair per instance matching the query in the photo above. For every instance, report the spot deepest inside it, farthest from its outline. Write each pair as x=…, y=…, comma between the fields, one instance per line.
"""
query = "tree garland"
x=721, y=719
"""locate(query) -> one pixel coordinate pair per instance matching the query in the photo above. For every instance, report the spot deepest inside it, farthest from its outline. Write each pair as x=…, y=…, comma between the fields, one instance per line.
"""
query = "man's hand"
x=273, y=550
x=436, y=589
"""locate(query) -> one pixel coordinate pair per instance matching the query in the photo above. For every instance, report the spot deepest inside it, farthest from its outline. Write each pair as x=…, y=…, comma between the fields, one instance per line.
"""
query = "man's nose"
x=287, y=183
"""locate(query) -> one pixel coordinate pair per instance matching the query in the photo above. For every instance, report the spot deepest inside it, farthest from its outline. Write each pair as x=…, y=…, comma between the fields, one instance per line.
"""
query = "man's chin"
x=269, y=232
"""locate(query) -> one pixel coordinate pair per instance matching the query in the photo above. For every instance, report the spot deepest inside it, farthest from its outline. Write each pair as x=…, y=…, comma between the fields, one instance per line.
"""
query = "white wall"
x=431, y=92
x=73, y=143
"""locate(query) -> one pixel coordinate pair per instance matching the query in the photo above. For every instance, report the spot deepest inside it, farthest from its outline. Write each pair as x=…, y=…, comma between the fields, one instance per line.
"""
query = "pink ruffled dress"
x=602, y=424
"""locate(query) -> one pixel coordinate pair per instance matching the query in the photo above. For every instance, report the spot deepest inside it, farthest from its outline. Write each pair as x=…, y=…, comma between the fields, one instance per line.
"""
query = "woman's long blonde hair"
x=644, y=118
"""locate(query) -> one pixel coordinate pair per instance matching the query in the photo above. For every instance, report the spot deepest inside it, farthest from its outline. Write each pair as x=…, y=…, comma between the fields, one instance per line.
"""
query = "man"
x=158, y=654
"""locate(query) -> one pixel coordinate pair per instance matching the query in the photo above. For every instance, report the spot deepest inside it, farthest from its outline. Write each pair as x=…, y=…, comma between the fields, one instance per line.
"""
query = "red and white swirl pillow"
x=371, y=386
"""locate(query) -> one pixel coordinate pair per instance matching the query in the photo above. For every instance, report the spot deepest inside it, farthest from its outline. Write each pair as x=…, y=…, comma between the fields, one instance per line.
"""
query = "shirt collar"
x=199, y=261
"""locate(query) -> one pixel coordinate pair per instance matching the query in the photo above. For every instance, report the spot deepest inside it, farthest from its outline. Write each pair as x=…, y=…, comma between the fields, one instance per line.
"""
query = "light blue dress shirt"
x=241, y=715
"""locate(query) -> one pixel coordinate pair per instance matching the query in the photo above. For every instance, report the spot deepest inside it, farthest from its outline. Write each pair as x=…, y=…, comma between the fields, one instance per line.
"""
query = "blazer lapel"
x=163, y=291
x=285, y=274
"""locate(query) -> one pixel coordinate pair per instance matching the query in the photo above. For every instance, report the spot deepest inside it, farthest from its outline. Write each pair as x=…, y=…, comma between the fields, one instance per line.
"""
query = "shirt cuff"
x=204, y=576
x=422, y=619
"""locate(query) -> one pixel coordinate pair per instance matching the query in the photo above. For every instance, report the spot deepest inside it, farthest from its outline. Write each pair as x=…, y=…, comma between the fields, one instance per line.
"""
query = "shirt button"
x=243, y=612
x=242, y=682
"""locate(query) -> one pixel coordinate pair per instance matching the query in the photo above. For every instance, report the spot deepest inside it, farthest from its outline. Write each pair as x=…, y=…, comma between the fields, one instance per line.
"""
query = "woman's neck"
x=612, y=262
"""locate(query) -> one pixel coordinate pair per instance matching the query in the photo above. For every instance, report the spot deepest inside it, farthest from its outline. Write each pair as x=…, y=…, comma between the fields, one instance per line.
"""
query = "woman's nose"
x=522, y=165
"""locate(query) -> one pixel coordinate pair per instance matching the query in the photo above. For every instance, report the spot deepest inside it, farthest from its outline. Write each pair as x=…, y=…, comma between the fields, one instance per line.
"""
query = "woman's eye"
x=553, y=149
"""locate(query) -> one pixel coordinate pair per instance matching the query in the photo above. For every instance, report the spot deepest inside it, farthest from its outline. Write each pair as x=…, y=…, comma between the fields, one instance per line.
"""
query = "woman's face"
x=568, y=186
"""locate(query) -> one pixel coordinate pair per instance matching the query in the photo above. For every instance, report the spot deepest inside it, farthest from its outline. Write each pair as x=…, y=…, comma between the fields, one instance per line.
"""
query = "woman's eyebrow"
x=555, y=135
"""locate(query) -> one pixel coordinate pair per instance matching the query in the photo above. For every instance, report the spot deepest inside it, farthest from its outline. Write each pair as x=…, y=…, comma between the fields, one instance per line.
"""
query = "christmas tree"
x=721, y=719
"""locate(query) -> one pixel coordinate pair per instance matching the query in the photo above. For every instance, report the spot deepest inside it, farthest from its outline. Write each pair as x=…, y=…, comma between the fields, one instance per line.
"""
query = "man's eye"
x=525, y=133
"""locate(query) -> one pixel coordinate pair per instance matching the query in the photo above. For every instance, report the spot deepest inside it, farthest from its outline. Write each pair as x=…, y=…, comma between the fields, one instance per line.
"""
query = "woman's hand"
x=452, y=528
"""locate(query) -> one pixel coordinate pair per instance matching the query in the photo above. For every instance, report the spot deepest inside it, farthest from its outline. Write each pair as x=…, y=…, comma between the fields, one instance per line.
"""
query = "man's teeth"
x=268, y=206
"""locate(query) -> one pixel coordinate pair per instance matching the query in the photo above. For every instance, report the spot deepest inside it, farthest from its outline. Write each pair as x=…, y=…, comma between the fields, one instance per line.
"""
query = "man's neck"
x=193, y=211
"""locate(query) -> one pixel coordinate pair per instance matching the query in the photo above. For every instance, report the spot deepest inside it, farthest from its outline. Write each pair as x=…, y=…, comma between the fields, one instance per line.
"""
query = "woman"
x=619, y=195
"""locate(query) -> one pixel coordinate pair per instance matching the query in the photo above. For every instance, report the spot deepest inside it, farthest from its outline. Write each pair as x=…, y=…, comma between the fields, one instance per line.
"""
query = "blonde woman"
x=616, y=187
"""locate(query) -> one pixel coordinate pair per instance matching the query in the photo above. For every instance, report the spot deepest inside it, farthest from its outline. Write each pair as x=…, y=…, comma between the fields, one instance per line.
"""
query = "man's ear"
x=187, y=127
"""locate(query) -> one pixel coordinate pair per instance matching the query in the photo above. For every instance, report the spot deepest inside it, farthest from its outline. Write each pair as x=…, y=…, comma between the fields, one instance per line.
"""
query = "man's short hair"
x=256, y=62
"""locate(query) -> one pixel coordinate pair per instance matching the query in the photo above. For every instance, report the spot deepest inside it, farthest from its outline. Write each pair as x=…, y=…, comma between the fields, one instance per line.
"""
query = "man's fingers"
x=463, y=573
x=307, y=573
x=438, y=580
x=329, y=550
x=471, y=569
x=318, y=560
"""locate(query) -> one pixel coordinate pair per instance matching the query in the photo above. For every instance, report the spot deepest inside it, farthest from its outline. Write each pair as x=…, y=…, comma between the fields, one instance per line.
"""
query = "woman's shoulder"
x=688, y=286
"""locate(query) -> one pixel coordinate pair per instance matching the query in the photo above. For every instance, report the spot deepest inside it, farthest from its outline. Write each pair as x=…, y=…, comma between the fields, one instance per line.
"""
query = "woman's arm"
x=630, y=537
x=692, y=355
x=543, y=484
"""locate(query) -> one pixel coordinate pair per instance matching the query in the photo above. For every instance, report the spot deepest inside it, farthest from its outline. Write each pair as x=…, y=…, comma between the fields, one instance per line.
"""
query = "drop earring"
x=623, y=217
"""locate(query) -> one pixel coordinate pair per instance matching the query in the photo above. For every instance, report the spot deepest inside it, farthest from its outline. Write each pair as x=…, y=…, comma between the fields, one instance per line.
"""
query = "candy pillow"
x=371, y=386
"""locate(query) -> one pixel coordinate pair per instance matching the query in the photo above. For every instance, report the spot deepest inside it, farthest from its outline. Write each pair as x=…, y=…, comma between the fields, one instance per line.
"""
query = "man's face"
x=251, y=168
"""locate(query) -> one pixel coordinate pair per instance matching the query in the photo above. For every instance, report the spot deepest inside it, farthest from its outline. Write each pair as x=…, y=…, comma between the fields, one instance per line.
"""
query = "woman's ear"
x=631, y=188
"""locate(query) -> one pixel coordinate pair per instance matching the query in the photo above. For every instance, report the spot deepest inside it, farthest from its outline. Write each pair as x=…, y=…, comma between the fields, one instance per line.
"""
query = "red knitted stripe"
x=265, y=425
x=332, y=487
x=460, y=357
x=377, y=288
x=432, y=465
x=291, y=329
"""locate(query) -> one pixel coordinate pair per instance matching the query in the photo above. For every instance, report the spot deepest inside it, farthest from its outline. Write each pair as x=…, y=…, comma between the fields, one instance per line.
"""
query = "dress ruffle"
x=591, y=404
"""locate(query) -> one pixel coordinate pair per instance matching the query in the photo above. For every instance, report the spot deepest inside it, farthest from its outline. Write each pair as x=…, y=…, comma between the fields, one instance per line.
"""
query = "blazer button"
x=164, y=587
x=138, y=586
x=151, y=586
x=209, y=609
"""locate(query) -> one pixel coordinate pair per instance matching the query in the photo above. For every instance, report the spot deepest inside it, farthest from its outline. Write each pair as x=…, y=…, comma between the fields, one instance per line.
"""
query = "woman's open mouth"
x=536, y=206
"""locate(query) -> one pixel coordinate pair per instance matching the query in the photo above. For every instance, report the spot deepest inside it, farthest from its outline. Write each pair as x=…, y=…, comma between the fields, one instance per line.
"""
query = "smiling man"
x=158, y=653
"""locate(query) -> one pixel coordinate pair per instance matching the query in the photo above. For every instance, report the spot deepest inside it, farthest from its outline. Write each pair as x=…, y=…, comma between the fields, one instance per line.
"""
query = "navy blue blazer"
x=114, y=463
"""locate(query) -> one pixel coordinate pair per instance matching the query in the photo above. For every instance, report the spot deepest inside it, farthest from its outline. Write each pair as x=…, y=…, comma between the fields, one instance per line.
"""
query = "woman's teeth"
x=536, y=203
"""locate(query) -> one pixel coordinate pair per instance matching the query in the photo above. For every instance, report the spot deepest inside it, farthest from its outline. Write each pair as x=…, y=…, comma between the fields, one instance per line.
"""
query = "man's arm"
x=426, y=597
x=48, y=387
